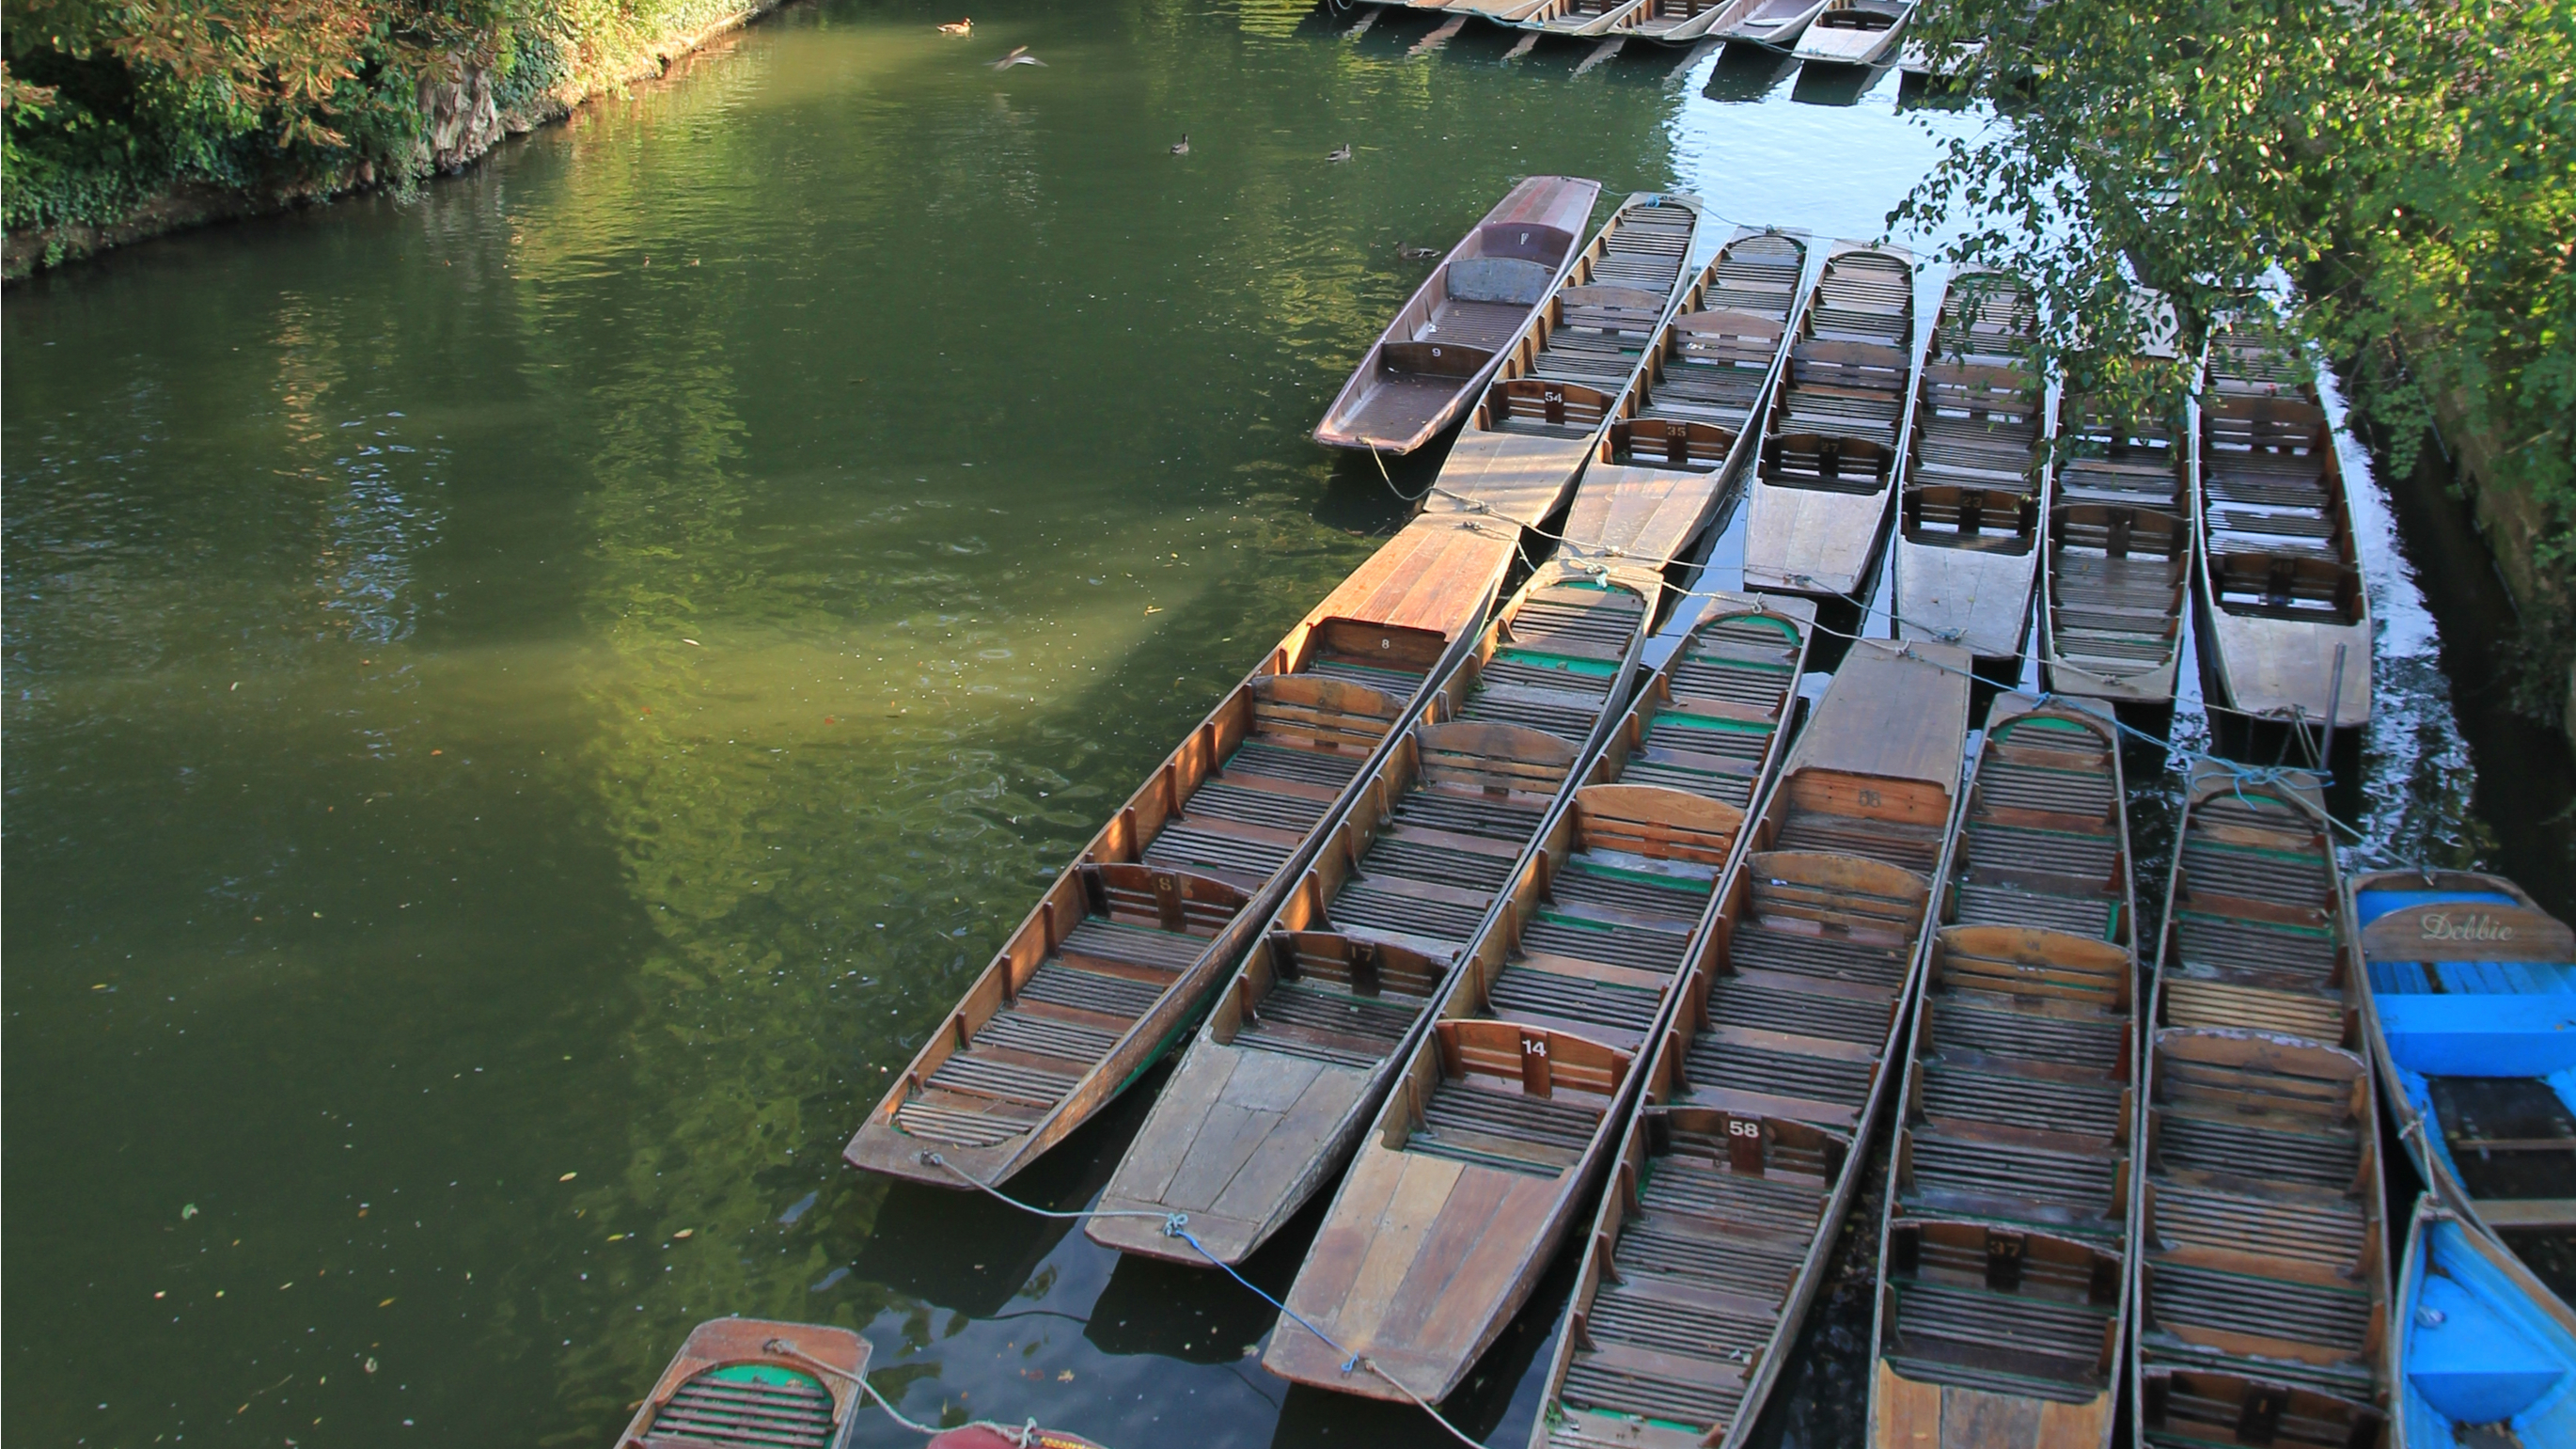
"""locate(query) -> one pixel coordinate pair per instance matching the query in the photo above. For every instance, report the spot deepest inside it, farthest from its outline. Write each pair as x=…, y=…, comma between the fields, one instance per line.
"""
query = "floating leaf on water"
x=684, y=1232
x=567, y=1177
x=1065, y=1378
x=187, y=1212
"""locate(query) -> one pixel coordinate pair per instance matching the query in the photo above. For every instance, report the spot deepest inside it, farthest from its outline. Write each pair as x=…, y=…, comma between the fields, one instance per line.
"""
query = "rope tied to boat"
x=1177, y=1225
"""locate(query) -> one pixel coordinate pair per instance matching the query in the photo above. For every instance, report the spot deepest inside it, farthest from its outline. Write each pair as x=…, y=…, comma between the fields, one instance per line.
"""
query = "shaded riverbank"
x=571, y=674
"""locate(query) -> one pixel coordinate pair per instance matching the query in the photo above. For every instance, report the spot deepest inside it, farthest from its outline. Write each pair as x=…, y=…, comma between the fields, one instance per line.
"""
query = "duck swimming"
x=1339, y=153
x=959, y=27
x=1181, y=147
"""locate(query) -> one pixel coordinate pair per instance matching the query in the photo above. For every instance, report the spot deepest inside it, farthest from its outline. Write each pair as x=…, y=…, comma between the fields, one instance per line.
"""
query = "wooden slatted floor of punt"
x=1448, y=850
x=1742, y=665
x=770, y=1412
x=2229, y=969
x=1246, y=819
x=1067, y=1017
x=1866, y=296
x=1648, y=249
x=2114, y=617
x=1701, y=1270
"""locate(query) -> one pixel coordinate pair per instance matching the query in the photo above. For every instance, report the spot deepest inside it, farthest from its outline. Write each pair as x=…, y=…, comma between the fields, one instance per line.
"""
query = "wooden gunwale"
x=1612, y=486
x=1442, y=1265
x=1820, y=538
x=1561, y=204
x=2254, y=1026
x=1298, y=721
x=792, y=1385
x=2043, y=1099
x=1535, y=422
x=1973, y=587
x=1596, y=17
x=1236, y=1113
x=1770, y=1261
x=2489, y=939
x=2276, y=661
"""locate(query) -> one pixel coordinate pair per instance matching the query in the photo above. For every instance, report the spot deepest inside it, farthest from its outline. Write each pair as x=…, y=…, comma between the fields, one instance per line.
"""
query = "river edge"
x=462, y=123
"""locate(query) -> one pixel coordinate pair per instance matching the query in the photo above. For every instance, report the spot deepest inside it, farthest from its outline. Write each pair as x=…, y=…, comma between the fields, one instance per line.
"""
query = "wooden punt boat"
x=751, y=1381
x=1563, y=375
x=1672, y=22
x=1688, y=418
x=1967, y=542
x=1576, y=19
x=1271, y=1094
x=2281, y=583
x=2262, y=1275
x=2004, y=1253
x=2487, y=1353
x=1737, y=1164
x=2117, y=566
x=1502, y=1110
x=1774, y=23
x=1854, y=32
x=1119, y=956
x=2471, y=1016
x=1828, y=472
x=1447, y=340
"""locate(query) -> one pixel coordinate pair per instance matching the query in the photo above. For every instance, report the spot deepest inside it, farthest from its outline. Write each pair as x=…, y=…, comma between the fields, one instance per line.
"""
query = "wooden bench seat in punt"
x=2180, y=1408
x=1866, y=293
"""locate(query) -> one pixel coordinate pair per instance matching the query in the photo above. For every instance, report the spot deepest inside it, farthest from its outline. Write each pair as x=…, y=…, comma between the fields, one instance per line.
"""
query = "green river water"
x=523, y=703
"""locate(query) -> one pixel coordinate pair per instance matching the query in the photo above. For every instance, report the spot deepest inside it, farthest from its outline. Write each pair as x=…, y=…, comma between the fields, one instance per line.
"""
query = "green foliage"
x=2409, y=164
x=111, y=104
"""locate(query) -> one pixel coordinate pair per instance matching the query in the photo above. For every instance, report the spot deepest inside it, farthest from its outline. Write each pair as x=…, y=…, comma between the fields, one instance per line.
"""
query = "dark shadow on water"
x=1835, y=85
x=1747, y=73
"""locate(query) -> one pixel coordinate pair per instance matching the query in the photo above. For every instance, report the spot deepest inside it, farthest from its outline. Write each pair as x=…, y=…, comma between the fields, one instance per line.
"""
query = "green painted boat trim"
x=1570, y=664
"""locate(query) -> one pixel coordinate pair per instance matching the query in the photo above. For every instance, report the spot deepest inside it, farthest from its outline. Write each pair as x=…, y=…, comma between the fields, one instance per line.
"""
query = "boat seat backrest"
x=1362, y=968
x=1655, y=822
x=1826, y=363
x=1433, y=359
x=2268, y=424
x=2120, y=532
x=1544, y=246
x=1811, y=457
x=2063, y=1269
x=1971, y=512
x=1509, y=281
x=1979, y=390
x=2187, y=1406
x=1672, y=442
x=1169, y=900
x=1495, y=759
x=1837, y=894
x=1330, y=715
x=1727, y=336
x=2281, y=580
x=1542, y=1061
x=2243, y=1073
x=1559, y=404
x=2023, y=961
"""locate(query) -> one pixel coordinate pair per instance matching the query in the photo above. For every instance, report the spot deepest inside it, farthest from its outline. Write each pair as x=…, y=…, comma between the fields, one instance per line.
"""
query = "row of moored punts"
x=1825, y=32
x=1505, y=921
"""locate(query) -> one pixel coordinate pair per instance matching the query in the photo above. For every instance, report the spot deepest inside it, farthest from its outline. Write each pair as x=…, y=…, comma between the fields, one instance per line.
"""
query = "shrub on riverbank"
x=2411, y=163
x=111, y=107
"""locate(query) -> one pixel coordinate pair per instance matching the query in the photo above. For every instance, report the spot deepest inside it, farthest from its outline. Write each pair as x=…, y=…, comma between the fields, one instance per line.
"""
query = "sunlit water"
x=522, y=705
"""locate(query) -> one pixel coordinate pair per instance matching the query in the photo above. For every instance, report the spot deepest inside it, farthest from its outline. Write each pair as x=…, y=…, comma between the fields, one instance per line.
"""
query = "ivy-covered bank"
x=126, y=120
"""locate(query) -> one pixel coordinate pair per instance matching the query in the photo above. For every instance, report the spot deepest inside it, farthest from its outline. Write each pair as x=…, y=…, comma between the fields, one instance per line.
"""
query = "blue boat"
x=2487, y=1355
x=2471, y=1015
